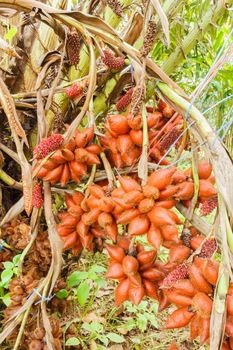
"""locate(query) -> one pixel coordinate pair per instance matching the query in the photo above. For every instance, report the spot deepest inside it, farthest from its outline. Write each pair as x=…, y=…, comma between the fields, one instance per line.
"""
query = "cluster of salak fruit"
x=123, y=138
x=196, y=291
x=71, y=161
x=96, y=216
x=144, y=209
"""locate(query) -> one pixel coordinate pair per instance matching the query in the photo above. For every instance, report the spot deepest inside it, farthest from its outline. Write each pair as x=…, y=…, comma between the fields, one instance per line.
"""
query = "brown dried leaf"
x=91, y=317
x=163, y=19
x=116, y=347
x=8, y=106
x=13, y=212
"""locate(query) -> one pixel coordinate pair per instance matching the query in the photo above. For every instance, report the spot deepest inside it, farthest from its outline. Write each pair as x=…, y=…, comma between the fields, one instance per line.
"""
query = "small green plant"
x=96, y=332
x=81, y=284
x=10, y=270
x=139, y=317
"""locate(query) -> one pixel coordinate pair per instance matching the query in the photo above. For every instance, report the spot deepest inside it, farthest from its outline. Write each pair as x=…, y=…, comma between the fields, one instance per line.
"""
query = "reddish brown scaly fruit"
x=150, y=192
x=153, y=274
x=204, y=330
x=179, y=253
x=136, y=294
x=139, y=225
x=206, y=189
x=178, y=177
x=196, y=241
x=135, y=122
x=194, y=327
x=118, y=123
x=37, y=197
x=209, y=205
x=115, y=271
x=185, y=287
x=150, y=289
x=136, y=137
x=178, y=299
x=133, y=198
x=127, y=216
x=231, y=342
x=74, y=91
x=208, y=248
x=129, y=264
x=179, y=318
x=198, y=280
x=225, y=346
x=124, y=100
x=47, y=146
x=111, y=61
x=202, y=304
x=170, y=233
x=146, y=256
x=204, y=170
x=185, y=191
x=163, y=301
x=180, y=272
x=154, y=236
x=230, y=305
x=146, y=205
x=161, y=178
x=128, y=184
x=122, y=292
x=115, y=252
x=167, y=204
x=135, y=279
x=160, y=216
x=229, y=326
x=210, y=271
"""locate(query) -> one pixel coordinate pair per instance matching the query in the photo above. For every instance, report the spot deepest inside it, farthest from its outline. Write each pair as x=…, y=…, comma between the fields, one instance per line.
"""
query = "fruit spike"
x=170, y=138
x=48, y=145
x=149, y=37
x=74, y=91
x=209, y=205
x=208, y=248
x=73, y=47
x=37, y=198
x=180, y=272
x=116, y=7
x=111, y=61
x=125, y=100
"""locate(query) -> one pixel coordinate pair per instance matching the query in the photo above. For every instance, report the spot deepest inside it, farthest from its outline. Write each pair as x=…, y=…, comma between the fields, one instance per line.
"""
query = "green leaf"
x=93, y=327
x=103, y=339
x=8, y=265
x=75, y=278
x=15, y=270
x=62, y=294
x=92, y=276
x=116, y=338
x=72, y=341
x=6, y=276
x=83, y=292
x=97, y=269
x=16, y=259
x=10, y=34
x=6, y=299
